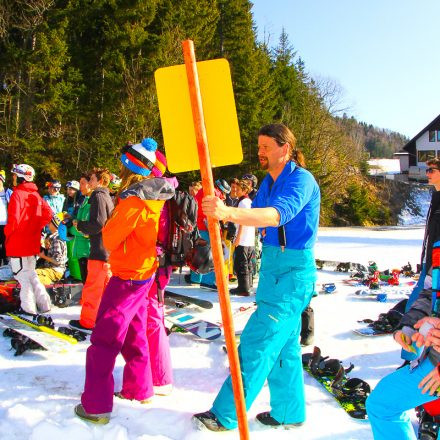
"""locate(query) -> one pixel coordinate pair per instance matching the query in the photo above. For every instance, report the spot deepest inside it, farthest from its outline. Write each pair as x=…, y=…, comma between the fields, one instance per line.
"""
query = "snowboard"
x=46, y=341
x=349, y=393
x=198, y=327
x=186, y=299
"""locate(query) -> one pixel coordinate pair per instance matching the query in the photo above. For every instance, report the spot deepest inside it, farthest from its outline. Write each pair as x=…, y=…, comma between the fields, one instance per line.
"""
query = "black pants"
x=243, y=267
x=83, y=268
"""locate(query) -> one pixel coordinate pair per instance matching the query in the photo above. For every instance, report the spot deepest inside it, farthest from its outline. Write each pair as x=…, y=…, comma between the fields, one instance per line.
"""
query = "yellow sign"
x=219, y=112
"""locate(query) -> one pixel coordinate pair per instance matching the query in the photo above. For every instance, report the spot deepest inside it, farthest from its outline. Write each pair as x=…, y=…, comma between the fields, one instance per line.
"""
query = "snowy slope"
x=38, y=391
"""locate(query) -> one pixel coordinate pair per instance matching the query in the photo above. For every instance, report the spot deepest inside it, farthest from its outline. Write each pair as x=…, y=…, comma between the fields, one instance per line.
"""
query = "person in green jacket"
x=81, y=242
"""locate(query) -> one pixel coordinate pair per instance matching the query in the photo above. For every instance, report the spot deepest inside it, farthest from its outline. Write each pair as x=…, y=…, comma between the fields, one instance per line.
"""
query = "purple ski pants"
x=158, y=340
x=121, y=327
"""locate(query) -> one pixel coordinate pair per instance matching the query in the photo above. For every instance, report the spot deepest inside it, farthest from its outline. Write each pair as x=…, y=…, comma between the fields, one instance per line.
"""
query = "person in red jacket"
x=28, y=214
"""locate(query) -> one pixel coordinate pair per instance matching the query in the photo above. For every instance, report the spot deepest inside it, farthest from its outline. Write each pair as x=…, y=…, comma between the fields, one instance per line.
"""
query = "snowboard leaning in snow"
x=46, y=339
x=198, y=327
x=186, y=299
x=350, y=393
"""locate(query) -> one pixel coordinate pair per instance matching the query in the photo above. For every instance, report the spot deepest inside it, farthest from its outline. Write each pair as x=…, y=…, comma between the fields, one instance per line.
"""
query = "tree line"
x=77, y=84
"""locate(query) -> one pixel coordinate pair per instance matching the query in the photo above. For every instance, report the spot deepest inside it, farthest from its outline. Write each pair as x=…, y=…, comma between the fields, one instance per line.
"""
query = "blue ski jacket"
x=296, y=196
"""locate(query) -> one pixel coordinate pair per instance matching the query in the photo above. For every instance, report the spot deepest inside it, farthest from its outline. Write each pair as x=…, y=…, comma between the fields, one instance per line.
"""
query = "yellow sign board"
x=219, y=112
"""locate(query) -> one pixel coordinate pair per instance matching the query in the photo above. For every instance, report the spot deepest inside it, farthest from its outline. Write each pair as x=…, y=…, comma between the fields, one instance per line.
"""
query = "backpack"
x=183, y=232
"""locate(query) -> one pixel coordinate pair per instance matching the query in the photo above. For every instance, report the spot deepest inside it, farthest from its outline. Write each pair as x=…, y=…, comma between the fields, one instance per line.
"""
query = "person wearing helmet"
x=130, y=235
x=253, y=182
x=5, y=196
x=286, y=207
x=28, y=214
x=53, y=196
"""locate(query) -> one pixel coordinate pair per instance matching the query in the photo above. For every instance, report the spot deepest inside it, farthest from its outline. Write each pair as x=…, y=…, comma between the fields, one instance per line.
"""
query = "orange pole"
x=214, y=236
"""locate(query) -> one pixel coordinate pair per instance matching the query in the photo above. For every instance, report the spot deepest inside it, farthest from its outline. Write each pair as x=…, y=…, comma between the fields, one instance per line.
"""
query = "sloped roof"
x=436, y=121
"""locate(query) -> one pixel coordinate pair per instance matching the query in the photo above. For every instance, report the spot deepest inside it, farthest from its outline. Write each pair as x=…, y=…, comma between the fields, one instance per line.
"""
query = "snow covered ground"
x=39, y=390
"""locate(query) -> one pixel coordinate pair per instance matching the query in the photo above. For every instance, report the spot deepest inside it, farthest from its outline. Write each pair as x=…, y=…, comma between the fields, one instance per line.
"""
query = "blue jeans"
x=269, y=346
x=207, y=278
x=394, y=395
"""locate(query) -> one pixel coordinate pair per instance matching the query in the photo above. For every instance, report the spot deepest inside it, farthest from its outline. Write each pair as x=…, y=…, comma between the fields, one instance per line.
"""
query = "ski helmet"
x=223, y=186
x=74, y=184
x=200, y=259
x=252, y=178
x=25, y=171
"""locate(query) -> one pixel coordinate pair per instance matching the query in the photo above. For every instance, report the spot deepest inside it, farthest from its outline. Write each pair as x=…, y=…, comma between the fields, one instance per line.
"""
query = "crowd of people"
x=107, y=231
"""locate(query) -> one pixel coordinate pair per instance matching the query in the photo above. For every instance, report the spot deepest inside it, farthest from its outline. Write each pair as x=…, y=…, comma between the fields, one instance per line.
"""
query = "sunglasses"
x=431, y=170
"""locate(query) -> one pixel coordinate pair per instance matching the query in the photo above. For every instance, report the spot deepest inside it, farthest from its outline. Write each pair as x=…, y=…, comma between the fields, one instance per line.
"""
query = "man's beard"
x=265, y=164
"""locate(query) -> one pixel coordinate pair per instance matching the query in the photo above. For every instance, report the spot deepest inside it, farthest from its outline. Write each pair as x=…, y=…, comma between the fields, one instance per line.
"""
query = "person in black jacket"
x=98, y=270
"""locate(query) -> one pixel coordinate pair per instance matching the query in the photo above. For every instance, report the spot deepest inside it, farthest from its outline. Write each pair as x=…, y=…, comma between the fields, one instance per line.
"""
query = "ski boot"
x=428, y=425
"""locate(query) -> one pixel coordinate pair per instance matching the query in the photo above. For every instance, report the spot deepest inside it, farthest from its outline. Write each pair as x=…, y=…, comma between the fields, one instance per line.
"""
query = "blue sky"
x=384, y=54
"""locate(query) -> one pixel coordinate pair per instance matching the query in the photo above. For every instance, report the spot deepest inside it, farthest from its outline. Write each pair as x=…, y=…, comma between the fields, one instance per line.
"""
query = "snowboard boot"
x=209, y=421
x=187, y=278
x=243, y=288
x=99, y=419
x=75, y=324
x=428, y=425
x=266, y=419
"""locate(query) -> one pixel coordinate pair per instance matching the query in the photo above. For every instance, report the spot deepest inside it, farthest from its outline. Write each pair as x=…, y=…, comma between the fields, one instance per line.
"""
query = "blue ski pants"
x=407, y=355
x=269, y=346
x=394, y=395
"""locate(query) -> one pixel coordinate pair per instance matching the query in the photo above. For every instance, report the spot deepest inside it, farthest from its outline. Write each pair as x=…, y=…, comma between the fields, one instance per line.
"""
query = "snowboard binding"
x=20, y=343
x=350, y=393
x=77, y=334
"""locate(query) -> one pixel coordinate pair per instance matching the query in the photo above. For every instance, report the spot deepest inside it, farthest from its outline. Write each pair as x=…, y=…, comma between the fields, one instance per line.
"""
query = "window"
x=438, y=154
x=431, y=135
x=438, y=135
x=423, y=156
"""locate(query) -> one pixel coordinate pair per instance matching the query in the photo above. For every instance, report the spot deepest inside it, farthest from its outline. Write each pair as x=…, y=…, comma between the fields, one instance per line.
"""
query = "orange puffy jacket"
x=131, y=232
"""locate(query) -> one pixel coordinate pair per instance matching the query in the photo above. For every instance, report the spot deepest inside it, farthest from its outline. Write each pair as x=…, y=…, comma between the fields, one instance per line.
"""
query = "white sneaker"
x=163, y=390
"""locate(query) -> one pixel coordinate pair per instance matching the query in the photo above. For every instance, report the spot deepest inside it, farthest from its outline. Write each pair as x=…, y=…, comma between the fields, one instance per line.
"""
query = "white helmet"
x=25, y=171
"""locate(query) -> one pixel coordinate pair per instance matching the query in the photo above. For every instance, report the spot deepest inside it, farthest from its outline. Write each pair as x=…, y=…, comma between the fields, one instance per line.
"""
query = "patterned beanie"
x=140, y=158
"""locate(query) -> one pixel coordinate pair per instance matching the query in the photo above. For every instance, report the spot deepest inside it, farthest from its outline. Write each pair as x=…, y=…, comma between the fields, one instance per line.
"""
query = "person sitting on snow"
x=54, y=261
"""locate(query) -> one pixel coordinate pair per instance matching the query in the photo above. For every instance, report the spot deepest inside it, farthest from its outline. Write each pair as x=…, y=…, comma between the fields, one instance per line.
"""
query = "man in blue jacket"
x=286, y=208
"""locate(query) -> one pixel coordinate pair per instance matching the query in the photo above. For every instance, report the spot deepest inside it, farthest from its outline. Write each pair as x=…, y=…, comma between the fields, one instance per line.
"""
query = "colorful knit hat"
x=144, y=158
x=2, y=175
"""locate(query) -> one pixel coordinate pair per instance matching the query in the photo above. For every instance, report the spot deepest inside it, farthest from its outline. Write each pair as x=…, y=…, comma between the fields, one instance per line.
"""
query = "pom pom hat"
x=143, y=158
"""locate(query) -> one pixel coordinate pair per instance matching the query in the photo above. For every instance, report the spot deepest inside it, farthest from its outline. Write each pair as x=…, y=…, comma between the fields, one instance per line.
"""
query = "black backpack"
x=183, y=232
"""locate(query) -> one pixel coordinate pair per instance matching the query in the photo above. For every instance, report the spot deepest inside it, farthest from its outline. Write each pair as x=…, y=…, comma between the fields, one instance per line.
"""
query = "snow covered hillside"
x=38, y=390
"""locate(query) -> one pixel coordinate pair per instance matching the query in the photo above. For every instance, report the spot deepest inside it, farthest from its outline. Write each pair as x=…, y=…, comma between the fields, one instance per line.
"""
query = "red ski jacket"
x=28, y=214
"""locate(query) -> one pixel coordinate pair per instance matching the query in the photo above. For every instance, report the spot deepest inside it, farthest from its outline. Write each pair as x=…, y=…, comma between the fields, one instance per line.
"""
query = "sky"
x=384, y=54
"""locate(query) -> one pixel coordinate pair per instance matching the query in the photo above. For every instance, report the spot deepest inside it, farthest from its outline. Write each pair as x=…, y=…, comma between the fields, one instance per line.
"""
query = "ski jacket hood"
x=131, y=232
